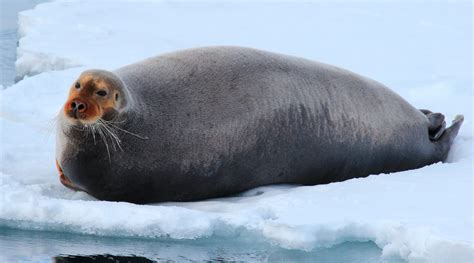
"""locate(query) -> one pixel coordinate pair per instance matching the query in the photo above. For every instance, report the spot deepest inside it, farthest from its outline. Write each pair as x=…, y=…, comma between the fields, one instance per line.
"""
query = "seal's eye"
x=101, y=93
x=77, y=85
x=116, y=96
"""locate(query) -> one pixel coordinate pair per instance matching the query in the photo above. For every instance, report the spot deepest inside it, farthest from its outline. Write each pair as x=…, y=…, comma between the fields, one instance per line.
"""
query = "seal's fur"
x=216, y=121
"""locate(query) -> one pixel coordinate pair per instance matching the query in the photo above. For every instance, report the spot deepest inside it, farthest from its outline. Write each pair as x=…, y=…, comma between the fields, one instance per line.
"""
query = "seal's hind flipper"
x=426, y=112
x=437, y=125
x=447, y=137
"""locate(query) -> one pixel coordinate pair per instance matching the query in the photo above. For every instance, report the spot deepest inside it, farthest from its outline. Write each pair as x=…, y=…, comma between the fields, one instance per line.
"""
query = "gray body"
x=221, y=120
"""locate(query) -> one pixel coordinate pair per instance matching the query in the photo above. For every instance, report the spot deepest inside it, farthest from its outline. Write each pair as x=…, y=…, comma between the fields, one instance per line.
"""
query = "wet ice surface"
x=422, y=51
x=65, y=247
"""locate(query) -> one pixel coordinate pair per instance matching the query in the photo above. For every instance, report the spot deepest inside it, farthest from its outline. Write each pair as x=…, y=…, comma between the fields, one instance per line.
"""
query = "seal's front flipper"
x=64, y=180
x=447, y=137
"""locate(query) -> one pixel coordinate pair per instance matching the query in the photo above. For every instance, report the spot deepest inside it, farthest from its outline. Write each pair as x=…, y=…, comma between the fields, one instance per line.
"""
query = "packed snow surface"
x=420, y=50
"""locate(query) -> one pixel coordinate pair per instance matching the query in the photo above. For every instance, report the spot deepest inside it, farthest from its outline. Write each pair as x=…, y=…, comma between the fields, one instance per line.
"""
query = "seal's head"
x=96, y=94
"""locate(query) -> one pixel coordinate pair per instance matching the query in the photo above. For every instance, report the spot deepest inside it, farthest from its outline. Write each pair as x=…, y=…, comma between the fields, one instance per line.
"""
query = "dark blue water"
x=35, y=246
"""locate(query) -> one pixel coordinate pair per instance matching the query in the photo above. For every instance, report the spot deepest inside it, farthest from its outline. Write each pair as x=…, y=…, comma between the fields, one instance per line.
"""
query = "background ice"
x=423, y=51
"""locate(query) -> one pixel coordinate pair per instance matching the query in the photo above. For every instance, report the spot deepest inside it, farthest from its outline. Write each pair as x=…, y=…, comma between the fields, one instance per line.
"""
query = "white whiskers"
x=108, y=133
x=113, y=126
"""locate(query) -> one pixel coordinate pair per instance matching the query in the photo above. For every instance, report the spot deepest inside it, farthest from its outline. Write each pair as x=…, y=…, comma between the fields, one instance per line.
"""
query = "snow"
x=423, y=51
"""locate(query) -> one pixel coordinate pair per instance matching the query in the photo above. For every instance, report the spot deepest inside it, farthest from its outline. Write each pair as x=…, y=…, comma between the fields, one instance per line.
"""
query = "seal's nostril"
x=81, y=107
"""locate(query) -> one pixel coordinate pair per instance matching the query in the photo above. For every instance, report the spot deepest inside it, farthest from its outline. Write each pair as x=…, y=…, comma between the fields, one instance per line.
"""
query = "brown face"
x=90, y=98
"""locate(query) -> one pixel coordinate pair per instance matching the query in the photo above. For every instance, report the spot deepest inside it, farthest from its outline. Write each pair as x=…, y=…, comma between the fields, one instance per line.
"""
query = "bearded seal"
x=215, y=121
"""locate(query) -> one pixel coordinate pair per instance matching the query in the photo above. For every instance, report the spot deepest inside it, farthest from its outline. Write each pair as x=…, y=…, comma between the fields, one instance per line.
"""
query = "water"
x=35, y=246
x=9, y=38
x=7, y=51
